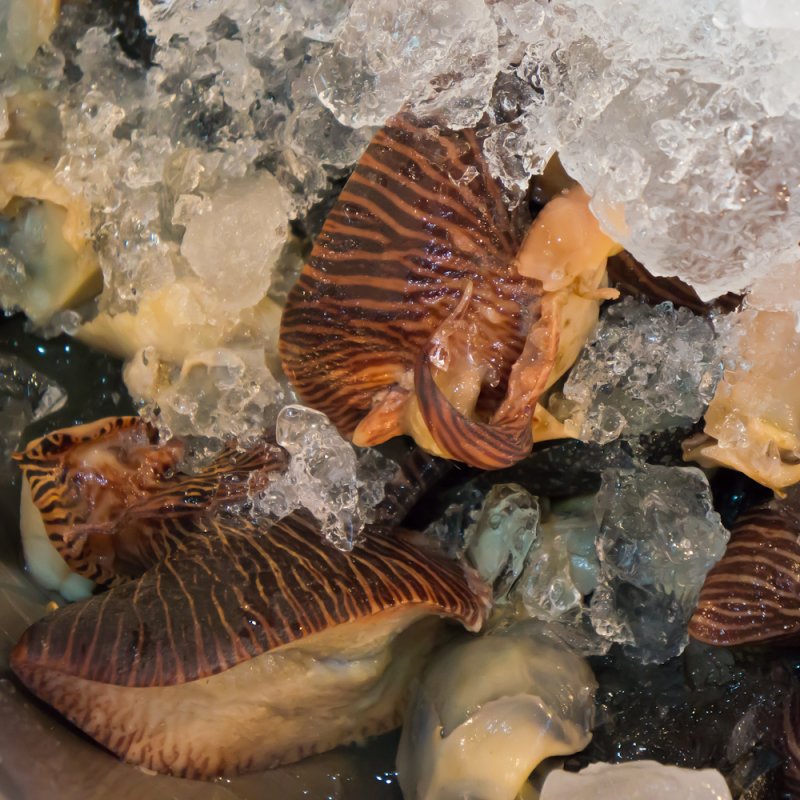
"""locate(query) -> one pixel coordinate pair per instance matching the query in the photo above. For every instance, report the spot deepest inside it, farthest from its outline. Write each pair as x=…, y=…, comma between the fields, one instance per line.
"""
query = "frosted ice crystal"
x=659, y=536
x=325, y=476
x=502, y=535
x=440, y=56
x=232, y=242
x=679, y=119
x=216, y=394
x=562, y=566
x=645, y=369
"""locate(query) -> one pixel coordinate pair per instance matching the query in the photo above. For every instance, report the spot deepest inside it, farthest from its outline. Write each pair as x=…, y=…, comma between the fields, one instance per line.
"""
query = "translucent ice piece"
x=636, y=780
x=324, y=476
x=659, y=536
x=439, y=56
x=645, y=369
x=502, y=535
x=216, y=394
x=25, y=395
x=690, y=167
x=562, y=565
x=232, y=244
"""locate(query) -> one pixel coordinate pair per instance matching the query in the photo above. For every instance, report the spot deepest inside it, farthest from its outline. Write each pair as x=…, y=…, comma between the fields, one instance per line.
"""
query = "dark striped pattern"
x=753, y=593
x=409, y=258
x=107, y=492
x=233, y=591
x=631, y=278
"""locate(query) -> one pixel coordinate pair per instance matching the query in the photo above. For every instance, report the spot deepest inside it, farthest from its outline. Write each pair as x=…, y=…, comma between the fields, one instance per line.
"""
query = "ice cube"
x=562, y=565
x=440, y=57
x=233, y=243
x=217, y=394
x=645, y=369
x=325, y=476
x=659, y=536
x=25, y=396
x=502, y=535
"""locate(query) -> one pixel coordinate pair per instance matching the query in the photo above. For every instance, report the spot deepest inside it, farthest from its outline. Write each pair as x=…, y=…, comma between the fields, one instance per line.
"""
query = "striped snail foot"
x=423, y=308
x=106, y=500
x=248, y=647
x=752, y=595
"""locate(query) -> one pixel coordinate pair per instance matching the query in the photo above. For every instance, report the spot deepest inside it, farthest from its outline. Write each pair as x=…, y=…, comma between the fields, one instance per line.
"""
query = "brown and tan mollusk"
x=238, y=644
x=752, y=595
x=411, y=287
x=247, y=648
x=108, y=492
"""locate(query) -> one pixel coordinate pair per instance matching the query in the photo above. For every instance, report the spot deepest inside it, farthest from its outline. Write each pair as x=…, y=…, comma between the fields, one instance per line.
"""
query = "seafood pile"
x=349, y=388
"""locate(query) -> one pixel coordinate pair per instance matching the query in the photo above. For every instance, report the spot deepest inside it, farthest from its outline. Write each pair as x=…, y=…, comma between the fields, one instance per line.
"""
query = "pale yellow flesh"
x=177, y=320
x=43, y=561
x=29, y=25
x=753, y=421
x=52, y=229
x=488, y=711
x=335, y=687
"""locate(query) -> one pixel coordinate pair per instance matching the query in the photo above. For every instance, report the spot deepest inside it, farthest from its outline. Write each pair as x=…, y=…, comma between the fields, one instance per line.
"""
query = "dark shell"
x=149, y=667
x=232, y=590
x=632, y=278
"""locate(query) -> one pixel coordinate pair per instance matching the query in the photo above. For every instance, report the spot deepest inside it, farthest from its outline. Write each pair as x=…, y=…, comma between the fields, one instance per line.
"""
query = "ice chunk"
x=681, y=135
x=451, y=530
x=25, y=396
x=562, y=566
x=636, y=780
x=645, y=369
x=217, y=394
x=659, y=536
x=440, y=57
x=502, y=535
x=782, y=14
x=233, y=242
x=325, y=476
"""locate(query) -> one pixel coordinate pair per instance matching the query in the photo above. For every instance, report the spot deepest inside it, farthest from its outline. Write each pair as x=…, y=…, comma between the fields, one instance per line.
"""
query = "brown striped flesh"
x=752, y=595
x=106, y=490
x=410, y=315
x=248, y=647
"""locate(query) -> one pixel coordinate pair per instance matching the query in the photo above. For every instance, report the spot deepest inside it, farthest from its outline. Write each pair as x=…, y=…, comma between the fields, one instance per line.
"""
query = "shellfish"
x=752, y=595
x=426, y=309
x=223, y=644
x=489, y=710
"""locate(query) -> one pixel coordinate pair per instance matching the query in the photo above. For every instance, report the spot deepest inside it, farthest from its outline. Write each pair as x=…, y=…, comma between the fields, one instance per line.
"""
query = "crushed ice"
x=644, y=369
